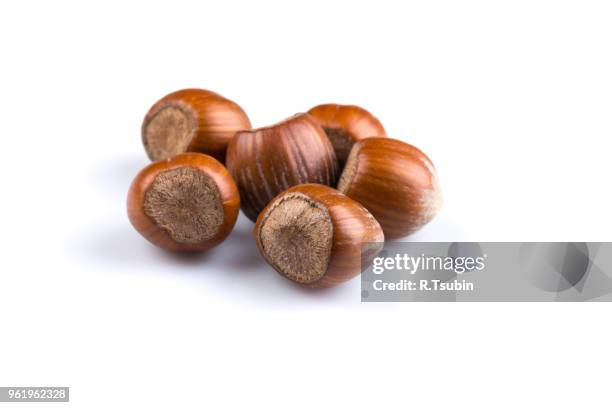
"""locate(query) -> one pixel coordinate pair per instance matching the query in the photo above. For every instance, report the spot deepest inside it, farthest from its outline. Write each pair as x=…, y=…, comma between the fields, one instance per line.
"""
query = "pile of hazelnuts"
x=324, y=188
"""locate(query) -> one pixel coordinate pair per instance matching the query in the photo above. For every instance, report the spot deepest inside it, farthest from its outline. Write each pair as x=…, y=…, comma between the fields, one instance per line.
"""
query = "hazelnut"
x=267, y=161
x=316, y=236
x=395, y=181
x=186, y=203
x=191, y=120
x=345, y=125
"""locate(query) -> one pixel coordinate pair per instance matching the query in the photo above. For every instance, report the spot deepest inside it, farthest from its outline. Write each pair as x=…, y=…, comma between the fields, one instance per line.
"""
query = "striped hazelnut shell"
x=266, y=161
x=213, y=172
x=192, y=120
x=345, y=125
x=355, y=237
x=395, y=181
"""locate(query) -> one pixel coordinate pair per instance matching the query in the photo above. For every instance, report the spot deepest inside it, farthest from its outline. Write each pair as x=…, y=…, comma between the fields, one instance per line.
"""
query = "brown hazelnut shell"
x=159, y=236
x=268, y=160
x=345, y=125
x=353, y=227
x=395, y=181
x=207, y=120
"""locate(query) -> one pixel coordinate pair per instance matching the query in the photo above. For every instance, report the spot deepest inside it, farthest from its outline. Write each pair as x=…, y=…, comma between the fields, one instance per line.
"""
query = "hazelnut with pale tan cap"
x=395, y=181
x=269, y=160
x=345, y=125
x=186, y=203
x=192, y=120
x=316, y=236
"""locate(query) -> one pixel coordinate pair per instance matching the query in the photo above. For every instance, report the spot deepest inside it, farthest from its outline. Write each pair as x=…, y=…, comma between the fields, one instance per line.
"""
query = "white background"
x=511, y=100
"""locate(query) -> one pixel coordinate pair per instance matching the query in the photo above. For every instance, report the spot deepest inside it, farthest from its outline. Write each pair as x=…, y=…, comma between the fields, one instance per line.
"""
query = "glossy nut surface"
x=316, y=236
x=186, y=203
x=192, y=120
x=395, y=181
x=345, y=125
x=267, y=161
